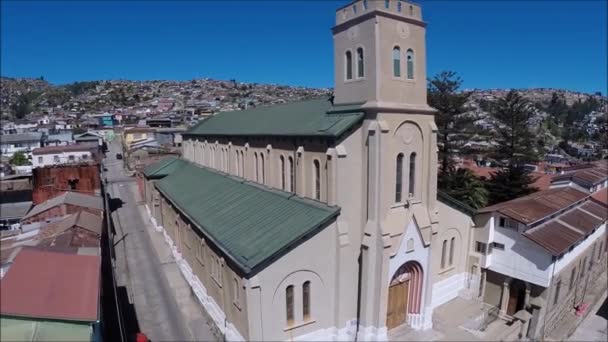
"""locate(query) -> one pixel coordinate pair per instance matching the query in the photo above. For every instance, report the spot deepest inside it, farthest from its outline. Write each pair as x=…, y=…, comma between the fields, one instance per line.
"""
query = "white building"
x=24, y=142
x=53, y=155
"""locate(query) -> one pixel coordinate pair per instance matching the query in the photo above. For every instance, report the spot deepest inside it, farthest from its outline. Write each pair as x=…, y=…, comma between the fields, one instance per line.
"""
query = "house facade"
x=540, y=254
x=377, y=249
x=21, y=142
x=70, y=154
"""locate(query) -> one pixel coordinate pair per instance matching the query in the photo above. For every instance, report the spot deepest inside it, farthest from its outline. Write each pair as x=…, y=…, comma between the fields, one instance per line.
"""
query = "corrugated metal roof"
x=304, y=118
x=45, y=284
x=601, y=197
x=65, y=148
x=68, y=197
x=250, y=223
x=164, y=167
x=580, y=220
x=538, y=205
x=20, y=137
x=554, y=236
x=596, y=209
x=83, y=219
x=14, y=210
x=590, y=174
x=36, y=330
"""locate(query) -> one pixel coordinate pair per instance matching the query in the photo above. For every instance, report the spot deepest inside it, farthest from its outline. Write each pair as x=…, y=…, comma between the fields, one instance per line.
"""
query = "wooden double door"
x=397, y=304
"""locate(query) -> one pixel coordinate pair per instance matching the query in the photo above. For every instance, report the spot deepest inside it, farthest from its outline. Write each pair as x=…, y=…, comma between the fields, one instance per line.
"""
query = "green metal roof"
x=163, y=167
x=250, y=223
x=304, y=118
x=23, y=329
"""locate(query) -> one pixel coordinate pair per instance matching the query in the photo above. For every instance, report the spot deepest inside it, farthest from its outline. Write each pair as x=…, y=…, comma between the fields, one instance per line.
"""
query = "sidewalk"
x=196, y=319
x=595, y=326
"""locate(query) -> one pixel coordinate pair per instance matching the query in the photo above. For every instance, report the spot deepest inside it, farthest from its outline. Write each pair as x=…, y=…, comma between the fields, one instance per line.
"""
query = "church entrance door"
x=397, y=303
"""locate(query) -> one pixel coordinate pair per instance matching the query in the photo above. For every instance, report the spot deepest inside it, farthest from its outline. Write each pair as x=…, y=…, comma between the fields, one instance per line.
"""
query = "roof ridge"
x=275, y=191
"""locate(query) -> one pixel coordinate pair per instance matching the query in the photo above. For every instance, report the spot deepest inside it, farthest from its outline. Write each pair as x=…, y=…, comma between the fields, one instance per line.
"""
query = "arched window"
x=360, y=64
x=444, y=246
x=289, y=304
x=399, y=6
x=412, y=174
x=282, y=162
x=409, y=56
x=387, y=3
x=411, y=10
x=452, y=242
x=349, y=65
x=396, y=61
x=399, y=179
x=306, y=300
x=255, y=166
x=292, y=176
x=317, y=182
x=364, y=4
x=262, y=169
x=242, y=164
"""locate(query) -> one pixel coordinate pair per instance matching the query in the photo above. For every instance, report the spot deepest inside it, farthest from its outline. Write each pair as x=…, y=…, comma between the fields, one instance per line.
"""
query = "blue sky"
x=491, y=44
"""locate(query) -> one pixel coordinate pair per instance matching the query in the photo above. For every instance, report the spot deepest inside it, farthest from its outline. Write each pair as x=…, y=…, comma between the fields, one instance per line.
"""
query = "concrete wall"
x=214, y=280
x=266, y=293
x=453, y=277
x=261, y=160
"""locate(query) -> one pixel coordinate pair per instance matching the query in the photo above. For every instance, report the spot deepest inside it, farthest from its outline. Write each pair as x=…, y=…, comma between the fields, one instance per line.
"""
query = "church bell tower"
x=379, y=53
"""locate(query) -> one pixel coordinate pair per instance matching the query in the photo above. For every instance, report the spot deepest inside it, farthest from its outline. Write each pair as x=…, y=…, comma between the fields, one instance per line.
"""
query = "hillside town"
x=395, y=206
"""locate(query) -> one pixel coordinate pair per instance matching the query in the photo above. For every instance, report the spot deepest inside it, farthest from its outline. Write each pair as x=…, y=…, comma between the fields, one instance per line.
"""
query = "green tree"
x=454, y=123
x=515, y=140
x=516, y=145
x=19, y=159
x=509, y=183
x=465, y=186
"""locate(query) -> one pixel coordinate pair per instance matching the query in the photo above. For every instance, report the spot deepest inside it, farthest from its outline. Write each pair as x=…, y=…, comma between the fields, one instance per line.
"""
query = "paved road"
x=165, y=307
x=595, y=326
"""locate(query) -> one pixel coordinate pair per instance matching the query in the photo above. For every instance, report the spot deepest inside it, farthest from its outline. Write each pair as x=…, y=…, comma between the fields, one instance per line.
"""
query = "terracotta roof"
x=53, y=285
x=531, y=208
x=601, y=197
x=542, y=181
x=66, y=148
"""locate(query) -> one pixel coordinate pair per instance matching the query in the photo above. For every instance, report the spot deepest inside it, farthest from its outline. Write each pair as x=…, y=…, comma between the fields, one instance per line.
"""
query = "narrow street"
x=595, y=326
x=165, y=307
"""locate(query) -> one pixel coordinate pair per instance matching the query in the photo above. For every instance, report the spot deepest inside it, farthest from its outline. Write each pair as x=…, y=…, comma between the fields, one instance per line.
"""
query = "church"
x=320, y=219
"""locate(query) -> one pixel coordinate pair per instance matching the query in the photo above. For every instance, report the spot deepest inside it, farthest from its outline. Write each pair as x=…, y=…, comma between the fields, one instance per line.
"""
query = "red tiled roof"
x=43, y=284
x=601, y=197
x=542, y=180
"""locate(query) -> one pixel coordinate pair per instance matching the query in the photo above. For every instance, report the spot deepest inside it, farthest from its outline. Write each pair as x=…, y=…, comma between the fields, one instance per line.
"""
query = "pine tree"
x=515, y=145
x=452, y=119
x=509, y=183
